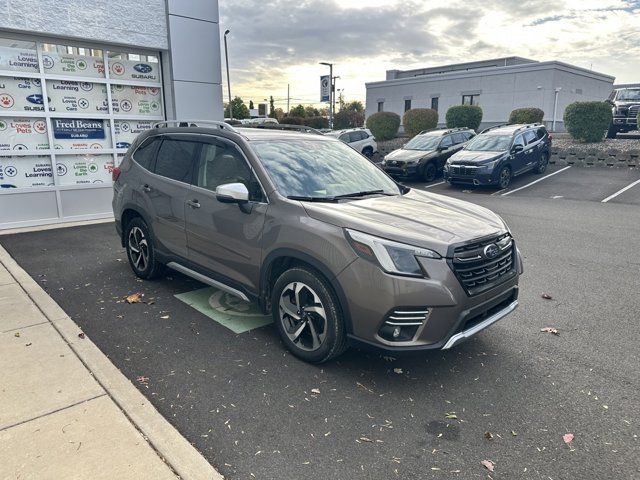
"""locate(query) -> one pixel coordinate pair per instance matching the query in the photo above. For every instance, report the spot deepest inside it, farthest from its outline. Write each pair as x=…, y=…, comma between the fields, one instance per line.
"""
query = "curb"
x=172, y=447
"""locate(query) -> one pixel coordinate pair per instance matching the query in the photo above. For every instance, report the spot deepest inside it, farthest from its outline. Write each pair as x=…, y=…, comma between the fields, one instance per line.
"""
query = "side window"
x=143, y=155
x=345, y=137
x=469, y=135
x=530, y=136
x=459, y=138
x=355, y=137
x=446, y=142
x=175, y=159
x=222, y=163
x=518, y=141
x=541, y=132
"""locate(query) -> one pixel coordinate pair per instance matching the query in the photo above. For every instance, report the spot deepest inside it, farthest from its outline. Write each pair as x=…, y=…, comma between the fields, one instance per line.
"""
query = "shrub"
x=348, y=119
x=292, y=120
x=638, y=120
x=526, y=115
x=587, y=121
x=418, y=119
x=384, y=125
x=316, y=122
x=468, y=116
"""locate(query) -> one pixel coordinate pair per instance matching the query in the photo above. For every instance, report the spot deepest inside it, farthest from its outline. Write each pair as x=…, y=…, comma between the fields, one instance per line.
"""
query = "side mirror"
x=517, y=148
x=232, y=193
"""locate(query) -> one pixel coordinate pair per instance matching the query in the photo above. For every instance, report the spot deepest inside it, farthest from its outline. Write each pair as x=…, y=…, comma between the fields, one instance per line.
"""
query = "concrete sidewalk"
x=65, y=410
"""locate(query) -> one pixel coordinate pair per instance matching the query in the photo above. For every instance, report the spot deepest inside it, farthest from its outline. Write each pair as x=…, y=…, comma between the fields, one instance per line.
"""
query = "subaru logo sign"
x=123, y=145
x=143, y=68
x=35, y=98
x=491, y=251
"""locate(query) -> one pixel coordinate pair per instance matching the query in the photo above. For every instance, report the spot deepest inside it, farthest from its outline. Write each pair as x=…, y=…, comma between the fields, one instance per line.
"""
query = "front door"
x=222, y=237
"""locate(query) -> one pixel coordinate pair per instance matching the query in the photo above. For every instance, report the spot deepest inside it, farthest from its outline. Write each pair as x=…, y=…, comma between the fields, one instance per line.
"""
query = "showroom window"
x=68, y=113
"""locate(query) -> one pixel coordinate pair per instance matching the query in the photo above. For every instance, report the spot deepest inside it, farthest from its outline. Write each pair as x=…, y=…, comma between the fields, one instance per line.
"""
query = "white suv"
x=361, y=139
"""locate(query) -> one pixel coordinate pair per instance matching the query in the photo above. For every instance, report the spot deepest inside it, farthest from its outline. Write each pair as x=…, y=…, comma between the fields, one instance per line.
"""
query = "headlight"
x=491, y=165
x=393, y=257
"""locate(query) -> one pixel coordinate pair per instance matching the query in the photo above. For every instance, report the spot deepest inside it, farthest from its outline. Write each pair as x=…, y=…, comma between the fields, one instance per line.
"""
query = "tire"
x=367, y=152
x=430, y=172
x=313, y=336
x=141, y=251
x=504, y=177
x=611, y=132
x=542, y=163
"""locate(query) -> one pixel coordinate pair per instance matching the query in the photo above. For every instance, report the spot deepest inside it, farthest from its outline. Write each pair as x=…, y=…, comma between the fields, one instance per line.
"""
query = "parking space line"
x=434, y=184
x=621, y=191
x=536, y=181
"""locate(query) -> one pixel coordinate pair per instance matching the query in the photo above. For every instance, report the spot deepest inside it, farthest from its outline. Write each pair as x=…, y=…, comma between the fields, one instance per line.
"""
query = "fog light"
x=396, y=332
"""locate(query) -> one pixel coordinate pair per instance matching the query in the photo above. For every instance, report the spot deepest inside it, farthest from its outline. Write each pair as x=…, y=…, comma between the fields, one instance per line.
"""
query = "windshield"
x=489, y=143
x=628, y=95
x=320, y=169
x=423, y=142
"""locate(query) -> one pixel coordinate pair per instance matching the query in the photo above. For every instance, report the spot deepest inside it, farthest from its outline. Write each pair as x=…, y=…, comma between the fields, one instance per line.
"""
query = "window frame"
x=444, y=137
x=380, y=106
x=195, y=154
x=474, y=99
x=435, y=100
x=407, y=103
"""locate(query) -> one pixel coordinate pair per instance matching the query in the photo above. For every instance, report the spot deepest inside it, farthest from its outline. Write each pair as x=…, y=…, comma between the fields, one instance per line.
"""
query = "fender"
x=138, y=209
x=315, y=263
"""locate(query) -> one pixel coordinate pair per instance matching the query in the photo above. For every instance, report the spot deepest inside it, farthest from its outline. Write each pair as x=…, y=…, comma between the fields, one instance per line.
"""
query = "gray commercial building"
x=499, y=86
x=79, y=80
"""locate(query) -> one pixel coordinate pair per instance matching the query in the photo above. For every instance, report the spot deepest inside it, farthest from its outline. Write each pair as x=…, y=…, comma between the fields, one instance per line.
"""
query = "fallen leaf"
x=142, y=379
x=514, y=433
x=568, y=438
x=29, y=344
x=17, y=334
x=546, y=296
x=315, y=390
x=451, y=415
x=398, y=370
x=488, y=464
x=365, y=439
x=165, y=317
x=134, y=298
x=550, y=330
x=488, y=435
x=81, y=335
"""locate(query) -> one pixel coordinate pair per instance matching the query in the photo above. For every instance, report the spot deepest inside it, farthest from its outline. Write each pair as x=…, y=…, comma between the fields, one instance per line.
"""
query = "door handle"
x=146, y=188
x=193, y=203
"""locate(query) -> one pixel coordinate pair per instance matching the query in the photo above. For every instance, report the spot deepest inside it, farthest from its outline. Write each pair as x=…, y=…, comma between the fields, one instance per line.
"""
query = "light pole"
x=331, y=93
x=555, y=108
x=226, y=56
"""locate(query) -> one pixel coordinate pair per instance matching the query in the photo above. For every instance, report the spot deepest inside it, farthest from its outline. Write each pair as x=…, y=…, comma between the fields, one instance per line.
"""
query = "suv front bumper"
x=477, y=178
x=405, y=170
x=631, y=122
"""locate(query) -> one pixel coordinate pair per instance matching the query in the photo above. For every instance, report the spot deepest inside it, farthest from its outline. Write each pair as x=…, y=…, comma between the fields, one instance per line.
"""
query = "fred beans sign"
x=21, y=94
x=23, y=134
x=133, y=100
x=22, y=59
x=133, y=70
x=80, y=134
x=128, y=130
x=80, y=65
x=27, y=171
x=84, y=169
x=81, y=97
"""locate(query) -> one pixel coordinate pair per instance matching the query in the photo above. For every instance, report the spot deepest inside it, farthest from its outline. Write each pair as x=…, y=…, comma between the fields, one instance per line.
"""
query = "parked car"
x=500, y=153
x=317, y=235
x=625, y=103
x=425, y=154
x=361, y=139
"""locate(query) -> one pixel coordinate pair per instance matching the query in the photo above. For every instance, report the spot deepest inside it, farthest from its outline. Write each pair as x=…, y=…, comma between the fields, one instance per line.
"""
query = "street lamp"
x=555, y=108
x=331, y=92
x=226, y=56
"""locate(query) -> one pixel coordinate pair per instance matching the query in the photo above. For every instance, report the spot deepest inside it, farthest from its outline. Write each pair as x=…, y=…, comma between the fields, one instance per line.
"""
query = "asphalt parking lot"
x=508, y=395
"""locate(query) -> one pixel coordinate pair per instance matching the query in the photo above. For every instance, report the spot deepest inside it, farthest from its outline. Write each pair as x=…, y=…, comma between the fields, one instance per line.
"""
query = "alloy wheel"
x=303, y=316
x=505, y=177
x=138, y=249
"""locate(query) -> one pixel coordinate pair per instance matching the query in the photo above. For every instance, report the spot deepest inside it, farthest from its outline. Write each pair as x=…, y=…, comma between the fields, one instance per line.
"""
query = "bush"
x=638, y=120
x=316, y=122
x=526, y=115
x=418, y=119
x=292, y=120
x=348, y=119
x=587, y=121
x=384, y=125
x=468, y=116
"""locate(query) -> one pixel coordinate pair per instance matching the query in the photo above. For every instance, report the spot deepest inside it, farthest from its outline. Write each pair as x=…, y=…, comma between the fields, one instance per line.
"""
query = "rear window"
x=530, y=136
x=143, y=156
x=541, y=132
x=175, y=159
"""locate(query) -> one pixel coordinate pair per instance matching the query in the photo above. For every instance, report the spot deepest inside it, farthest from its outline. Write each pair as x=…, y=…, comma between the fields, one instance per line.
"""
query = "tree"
x=251, y=107
x=272, y=108
x=279, y=114
x=351, y=116
x=355, y=106
x=240, y=110
x=297, y=112
x=310, y=111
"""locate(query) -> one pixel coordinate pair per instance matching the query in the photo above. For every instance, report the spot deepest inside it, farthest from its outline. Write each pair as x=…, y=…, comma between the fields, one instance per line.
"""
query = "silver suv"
x=317, y=235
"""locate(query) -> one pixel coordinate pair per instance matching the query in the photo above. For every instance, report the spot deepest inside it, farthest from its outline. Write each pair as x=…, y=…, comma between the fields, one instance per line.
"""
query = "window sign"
x=23, y=59
x=73, y=65
x=28, y=171
x=81, y=97
x=21, y=94
x=133, y=100
x=142, y=71
x=78, y=134
x=84, y=169
x=23, y=134
x=128, y=130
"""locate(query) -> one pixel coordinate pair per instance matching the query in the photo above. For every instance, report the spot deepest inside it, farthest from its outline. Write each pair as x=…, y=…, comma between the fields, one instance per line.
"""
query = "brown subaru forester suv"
x=316, y=234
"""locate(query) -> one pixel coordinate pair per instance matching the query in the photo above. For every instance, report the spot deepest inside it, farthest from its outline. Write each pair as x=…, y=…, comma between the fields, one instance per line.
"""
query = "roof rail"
x=194, y=123
x=494, y=127
x=528, y=125
x=444, y=130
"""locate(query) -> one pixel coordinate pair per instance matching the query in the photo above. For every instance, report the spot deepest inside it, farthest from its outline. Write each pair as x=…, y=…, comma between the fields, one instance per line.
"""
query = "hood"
x=467, y=157
x=402, y=155
x=418, y=218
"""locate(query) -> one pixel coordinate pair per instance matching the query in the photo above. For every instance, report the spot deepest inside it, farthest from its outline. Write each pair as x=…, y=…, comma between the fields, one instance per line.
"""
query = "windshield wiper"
x=302, y=198
x=364, y=194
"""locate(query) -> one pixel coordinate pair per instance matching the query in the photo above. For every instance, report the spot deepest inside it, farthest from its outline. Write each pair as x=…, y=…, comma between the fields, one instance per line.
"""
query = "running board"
x=209, y=281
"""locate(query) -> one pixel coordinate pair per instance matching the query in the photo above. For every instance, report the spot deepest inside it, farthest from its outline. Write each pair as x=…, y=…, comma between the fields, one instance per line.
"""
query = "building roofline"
x=454, y=66
x=495, y=71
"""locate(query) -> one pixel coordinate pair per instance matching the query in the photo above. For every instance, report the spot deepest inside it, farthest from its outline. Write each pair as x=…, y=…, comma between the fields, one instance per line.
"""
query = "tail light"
x=550, y=137
x=115, y=173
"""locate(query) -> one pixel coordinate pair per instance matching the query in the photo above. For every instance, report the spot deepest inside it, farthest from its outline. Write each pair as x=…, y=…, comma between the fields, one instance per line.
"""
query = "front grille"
x=462, y=169
x=477, y=271
x=633, y=111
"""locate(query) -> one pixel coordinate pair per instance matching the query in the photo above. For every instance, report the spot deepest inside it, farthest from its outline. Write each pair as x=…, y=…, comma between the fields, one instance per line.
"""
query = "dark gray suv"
x=315, y=234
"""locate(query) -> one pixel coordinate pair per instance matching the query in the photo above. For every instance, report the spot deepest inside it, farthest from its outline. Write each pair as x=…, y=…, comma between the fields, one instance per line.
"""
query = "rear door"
x=356, y=140
x=519, y=159
x=222, y=237
x=165, y=191
x=532, y=149
x=447, y=149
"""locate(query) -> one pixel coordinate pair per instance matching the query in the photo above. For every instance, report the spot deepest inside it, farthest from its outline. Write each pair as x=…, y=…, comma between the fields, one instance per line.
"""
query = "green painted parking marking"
x=229, y=311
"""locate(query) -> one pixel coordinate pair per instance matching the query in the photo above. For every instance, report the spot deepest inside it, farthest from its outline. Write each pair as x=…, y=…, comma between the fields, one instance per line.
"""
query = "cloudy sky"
x=275, y=42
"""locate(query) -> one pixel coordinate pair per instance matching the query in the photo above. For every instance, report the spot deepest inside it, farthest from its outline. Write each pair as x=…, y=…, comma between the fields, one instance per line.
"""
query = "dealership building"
x=79, y=80
x=498, y=86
